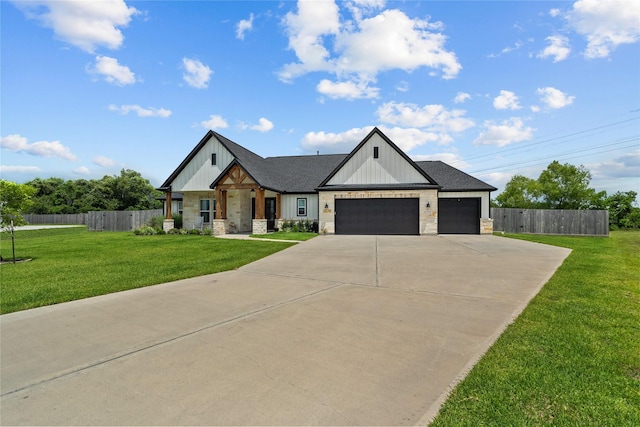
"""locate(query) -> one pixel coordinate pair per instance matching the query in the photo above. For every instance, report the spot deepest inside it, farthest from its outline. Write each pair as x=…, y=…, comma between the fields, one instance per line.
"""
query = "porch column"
x=278, y=206
x=260, y=203
x=168, y=205
x=168, y=222
x=221, y=204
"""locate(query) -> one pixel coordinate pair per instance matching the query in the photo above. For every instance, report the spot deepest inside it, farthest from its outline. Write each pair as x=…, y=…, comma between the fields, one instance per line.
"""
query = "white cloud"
x=516, y=46
x=403, y=86
x=334, y=142
x=461, y=97
x=344, y=142
x=113, y=72
x=626, y=166
x=357, y=50
x=507, y=100
x=452, y=159
x=507, y=132
x=359, y=8
x=605, y=24
x=214, y=122
x=348, y=90
x=554, y=98
x=82, y=170
x=141, y=112
x=243, y=26
x=19, y=169
x=103, y=161
x=555, y=12
x=264, y=125
x=434, y=117
x=196, y=74
x=19, y=144
x=84, y=24
x=558, y=48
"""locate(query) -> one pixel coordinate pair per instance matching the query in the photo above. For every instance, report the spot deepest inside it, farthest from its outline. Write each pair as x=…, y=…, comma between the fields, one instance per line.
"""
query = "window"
x=302, y=207
x=179, y=207
x=213, y=159
x=205, y=210
x=375, y=152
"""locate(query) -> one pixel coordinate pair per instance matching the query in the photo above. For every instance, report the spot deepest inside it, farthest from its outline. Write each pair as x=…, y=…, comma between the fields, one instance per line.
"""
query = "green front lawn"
x=286, y=235
x=73, y=263
x=572, y=358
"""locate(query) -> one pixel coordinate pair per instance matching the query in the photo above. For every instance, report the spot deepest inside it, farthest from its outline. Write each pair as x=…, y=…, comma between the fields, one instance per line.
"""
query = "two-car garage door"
x=377, y=216
x=402, y=216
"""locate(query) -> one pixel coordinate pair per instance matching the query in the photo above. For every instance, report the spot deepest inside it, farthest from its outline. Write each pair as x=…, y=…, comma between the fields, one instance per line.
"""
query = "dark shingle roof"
x=452, y=179
x=304, y=174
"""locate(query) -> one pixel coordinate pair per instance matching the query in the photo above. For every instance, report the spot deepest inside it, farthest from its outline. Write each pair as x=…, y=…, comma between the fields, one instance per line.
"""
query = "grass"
x=73, y=263
x=286, y=235
x=572, y=358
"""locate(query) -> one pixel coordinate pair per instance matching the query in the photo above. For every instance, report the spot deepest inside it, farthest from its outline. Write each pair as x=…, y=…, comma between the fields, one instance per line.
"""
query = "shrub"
x=177, y=221
x=156, y=222
x=145, y=231
x=174, y=231
x=302, y=225
x=194, y=231
x=207, y=232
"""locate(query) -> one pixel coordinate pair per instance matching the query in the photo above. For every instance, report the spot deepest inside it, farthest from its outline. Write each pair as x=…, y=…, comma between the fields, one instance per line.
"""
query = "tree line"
x=127, y=191
x=565, y=186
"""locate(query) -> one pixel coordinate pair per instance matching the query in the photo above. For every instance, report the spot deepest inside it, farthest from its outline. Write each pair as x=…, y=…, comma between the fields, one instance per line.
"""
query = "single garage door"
x=377, y=216
x=459, y=216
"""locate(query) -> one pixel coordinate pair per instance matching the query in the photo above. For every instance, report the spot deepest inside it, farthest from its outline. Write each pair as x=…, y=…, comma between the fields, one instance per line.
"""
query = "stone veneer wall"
x=191, y=207
x=428, y=216
x=219, y=227
x=259, y=226
x=239, y=211
x=486, y=226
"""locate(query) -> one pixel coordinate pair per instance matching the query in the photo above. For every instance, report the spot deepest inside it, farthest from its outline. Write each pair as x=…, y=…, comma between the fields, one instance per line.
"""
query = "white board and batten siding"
x=289, y=206
x=485, y=209
x=389, y=168
x=199, y=173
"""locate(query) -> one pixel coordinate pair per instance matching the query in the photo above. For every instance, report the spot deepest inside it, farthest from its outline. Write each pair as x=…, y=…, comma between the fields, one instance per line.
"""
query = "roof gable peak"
x=377, y=157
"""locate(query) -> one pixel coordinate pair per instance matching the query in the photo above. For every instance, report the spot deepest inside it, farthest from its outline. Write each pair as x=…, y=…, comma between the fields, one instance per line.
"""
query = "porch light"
x=428, y=205
x=326, y=205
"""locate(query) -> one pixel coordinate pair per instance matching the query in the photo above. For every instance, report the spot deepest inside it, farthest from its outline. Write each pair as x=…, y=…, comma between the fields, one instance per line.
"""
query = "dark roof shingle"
x=452, y=179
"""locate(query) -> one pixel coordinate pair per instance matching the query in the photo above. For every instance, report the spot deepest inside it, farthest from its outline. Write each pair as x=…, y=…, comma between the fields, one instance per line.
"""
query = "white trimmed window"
x=302, y=207
x=205, y=210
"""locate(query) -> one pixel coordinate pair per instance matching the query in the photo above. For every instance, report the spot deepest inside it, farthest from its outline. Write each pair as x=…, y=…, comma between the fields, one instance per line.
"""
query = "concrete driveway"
x=339, y=330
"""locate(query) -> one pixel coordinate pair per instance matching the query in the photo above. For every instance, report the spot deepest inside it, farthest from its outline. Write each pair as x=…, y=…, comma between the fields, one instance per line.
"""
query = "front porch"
x=237, y=204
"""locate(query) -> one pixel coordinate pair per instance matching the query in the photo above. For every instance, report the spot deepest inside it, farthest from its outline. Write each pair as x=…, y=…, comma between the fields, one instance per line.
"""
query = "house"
x=375, y=189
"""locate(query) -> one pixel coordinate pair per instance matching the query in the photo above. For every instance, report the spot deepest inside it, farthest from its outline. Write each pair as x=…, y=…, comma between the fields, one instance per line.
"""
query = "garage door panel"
x=377, y=216
x=459, y=216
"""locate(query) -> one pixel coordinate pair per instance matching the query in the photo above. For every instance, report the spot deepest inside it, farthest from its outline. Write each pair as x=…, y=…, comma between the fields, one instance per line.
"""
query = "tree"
x=15, y=199
x=128, y=191
x=133, y=192
x=622, y=213
x=520, y=192
x=565, y=186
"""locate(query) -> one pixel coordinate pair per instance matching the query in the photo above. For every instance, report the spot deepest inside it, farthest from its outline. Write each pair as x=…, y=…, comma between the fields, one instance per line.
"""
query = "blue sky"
x=494, y=88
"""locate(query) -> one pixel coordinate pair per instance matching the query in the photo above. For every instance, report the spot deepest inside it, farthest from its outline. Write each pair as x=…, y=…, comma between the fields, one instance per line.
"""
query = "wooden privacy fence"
x=67, y=219
x=551, y=221
x=120, y=220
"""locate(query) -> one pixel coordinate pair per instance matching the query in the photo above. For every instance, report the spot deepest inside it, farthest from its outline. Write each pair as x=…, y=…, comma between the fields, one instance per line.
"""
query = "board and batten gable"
x=390, y=167
x=289, y=206
x=199, y=173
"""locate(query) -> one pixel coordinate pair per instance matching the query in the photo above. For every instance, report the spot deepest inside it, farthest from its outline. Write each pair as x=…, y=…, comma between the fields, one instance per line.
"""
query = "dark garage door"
x=377, y=216
x=459, y=216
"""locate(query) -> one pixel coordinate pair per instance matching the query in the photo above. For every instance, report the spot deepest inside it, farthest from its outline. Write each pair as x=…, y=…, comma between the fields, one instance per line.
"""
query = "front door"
x=270, y=212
